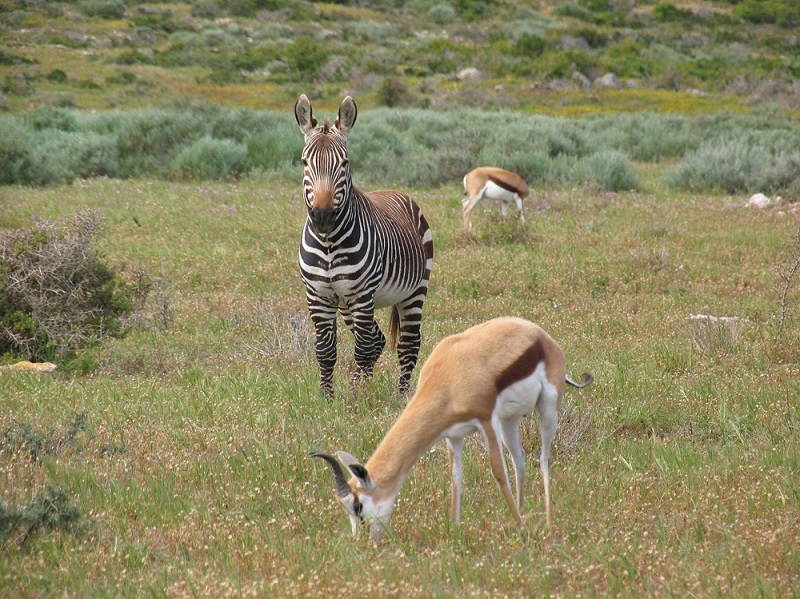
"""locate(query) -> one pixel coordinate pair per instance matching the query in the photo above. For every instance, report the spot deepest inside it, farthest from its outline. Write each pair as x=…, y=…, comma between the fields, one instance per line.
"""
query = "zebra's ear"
x=348, y=112
x=304, y=115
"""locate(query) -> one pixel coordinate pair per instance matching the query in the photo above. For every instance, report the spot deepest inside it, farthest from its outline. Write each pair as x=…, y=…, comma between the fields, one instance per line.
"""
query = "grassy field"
x=677, y=473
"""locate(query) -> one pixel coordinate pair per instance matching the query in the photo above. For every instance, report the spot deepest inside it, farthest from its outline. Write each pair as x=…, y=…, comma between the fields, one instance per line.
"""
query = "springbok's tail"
x=394, y=328
x=587, y=380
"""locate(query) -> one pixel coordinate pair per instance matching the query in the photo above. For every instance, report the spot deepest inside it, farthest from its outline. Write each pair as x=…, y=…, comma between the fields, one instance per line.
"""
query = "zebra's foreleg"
x=370, y=342
x=324, y=319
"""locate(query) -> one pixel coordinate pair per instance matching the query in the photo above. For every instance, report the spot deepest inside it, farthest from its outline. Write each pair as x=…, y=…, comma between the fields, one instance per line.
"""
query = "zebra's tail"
x=394, y=328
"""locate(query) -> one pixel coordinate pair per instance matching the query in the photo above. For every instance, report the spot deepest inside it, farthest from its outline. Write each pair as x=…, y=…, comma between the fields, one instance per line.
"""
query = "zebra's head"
x=326, y=168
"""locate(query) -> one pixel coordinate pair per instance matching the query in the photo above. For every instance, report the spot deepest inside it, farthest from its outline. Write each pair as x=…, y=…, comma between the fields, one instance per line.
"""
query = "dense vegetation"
x=737, y=154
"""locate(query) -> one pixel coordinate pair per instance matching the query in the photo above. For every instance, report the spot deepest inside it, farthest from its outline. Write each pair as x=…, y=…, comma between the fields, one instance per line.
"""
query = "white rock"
x=759, y=200
x=469, y=73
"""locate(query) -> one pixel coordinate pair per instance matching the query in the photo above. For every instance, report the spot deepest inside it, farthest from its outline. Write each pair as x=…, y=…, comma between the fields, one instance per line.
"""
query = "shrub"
x=57, y=76
x=210, y=158
x=529, y=45
x=38, y=442
x=276, y=148
x=442, y=14
x=470, y=10
x=148, y=141
x=576, y=11
x=61, y=156
x=743, y=164
x=51, y=510
x=393, y=91
x=664, y=12
x=780, y=12
x=609, y=169
x=305, y=57
x=57, y=295
x=16, y=153
x=104, y=9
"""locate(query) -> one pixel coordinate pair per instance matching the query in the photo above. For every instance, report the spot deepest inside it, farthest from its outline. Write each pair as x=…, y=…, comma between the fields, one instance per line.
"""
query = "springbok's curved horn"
x=342, y=488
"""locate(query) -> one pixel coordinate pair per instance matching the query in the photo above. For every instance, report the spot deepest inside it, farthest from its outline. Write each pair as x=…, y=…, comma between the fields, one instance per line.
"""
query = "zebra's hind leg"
x=408, y=342
x=324, y=319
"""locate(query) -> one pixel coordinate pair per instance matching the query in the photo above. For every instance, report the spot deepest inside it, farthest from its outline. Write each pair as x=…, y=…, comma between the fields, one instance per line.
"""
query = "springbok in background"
x=359, y=251
x=495, y=184
x=485, y=379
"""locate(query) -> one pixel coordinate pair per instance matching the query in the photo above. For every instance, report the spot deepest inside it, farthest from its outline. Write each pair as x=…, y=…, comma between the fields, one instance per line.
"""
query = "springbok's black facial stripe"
x=357, y=508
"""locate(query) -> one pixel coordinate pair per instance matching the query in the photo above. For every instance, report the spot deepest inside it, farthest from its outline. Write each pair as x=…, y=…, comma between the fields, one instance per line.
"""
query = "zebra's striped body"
x=359, y=252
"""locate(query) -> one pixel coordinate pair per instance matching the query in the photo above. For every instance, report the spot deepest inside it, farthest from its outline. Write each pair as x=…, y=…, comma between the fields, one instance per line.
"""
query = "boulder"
x=759, y=200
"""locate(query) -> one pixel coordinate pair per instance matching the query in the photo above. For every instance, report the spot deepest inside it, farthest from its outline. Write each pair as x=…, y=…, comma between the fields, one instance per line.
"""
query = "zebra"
x=358, y=252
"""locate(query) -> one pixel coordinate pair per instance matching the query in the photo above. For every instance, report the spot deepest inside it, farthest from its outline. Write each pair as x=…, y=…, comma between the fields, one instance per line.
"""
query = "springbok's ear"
x=303, y=114
x=347, y=459
x=358, y=470
x=348, y=112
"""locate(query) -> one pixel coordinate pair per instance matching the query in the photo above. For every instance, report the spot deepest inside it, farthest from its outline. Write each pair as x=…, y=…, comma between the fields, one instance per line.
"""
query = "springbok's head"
x=356, y=495
x=326, y=168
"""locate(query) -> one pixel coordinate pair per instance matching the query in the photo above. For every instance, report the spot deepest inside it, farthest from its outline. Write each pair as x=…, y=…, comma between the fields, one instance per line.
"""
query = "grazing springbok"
x=359, y=251
x=495, y=184
x=484, y=379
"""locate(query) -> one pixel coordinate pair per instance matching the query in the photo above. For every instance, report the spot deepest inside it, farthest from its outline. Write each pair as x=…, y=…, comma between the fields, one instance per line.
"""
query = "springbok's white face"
x=357, y=496
x=363, y=509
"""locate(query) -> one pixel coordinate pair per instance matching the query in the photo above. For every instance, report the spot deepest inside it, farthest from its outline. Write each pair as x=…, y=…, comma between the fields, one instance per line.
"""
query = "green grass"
x=675, y=473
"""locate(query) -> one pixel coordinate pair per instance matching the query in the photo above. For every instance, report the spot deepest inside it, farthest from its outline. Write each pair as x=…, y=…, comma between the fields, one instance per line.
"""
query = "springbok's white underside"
x=514, y=402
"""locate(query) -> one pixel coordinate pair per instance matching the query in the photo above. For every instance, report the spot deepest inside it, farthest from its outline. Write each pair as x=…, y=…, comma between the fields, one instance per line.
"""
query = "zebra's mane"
x=326, y=126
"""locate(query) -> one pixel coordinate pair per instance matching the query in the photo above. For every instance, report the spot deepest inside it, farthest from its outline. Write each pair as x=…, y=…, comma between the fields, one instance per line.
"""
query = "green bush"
x=305, y=57
x=276, y=149
x=529, y=45
x=210, y=158
x=393, y=91
x=16, y=153
x=442, y=14
x=744, y=164
x=57, y=76
x=609, y=169
x=471, y=10
x=104, y=9
x=67, y=155
x=665, y=12
x=49, y=511
x=57, y=294
x=576, y=11
x=785, y=13
x=148, y=141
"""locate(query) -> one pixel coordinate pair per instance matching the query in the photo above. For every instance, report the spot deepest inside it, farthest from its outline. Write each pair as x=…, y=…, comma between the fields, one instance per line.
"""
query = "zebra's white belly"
x=387, y=295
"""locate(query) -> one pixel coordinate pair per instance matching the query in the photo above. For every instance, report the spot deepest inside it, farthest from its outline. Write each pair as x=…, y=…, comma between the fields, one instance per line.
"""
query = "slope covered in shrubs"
x=106, y=54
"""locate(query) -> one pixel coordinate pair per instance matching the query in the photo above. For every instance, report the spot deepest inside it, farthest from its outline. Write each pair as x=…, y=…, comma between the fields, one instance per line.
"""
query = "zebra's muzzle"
x=323, y=219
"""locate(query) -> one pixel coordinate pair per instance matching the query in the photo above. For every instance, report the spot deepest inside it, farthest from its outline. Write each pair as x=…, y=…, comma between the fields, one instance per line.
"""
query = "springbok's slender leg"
x=490, y=432
x=455, y=448
x=547, y=406
x=469, y=203
x=510, y=430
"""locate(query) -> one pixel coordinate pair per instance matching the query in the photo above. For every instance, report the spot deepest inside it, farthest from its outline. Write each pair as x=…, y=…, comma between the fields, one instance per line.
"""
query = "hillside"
x=565, y=58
